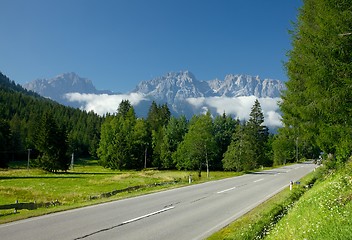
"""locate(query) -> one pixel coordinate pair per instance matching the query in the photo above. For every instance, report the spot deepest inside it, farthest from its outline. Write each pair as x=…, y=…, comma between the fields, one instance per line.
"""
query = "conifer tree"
x=317, y=104
x=248, y=148
x=51, y=141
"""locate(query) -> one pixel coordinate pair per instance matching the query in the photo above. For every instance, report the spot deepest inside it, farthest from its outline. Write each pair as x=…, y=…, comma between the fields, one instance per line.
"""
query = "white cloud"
x=103, y=103
x=241, y=107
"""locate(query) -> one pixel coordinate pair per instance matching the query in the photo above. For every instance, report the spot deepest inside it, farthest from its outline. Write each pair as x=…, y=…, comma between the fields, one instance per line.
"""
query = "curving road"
x=192, y=212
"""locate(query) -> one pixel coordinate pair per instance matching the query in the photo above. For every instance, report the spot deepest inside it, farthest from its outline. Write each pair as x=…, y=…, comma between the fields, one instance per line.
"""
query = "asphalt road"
x=192, y=212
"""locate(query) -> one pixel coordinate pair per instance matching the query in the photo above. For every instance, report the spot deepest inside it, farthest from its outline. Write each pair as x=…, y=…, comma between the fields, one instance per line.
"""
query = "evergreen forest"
x=43, y=130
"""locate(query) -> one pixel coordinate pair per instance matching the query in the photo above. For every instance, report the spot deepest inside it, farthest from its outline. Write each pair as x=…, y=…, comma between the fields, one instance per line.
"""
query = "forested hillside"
x=22, y=114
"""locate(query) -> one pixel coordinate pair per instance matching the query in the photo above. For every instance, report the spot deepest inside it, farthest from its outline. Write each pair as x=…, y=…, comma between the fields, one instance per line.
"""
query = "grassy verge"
x=260, y=221
x=85, y=185
x=325, y=212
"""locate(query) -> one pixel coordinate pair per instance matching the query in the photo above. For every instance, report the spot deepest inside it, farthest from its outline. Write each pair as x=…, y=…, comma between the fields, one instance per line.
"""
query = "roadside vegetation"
x=320, y=207
x=260, y=221
x=325, y=212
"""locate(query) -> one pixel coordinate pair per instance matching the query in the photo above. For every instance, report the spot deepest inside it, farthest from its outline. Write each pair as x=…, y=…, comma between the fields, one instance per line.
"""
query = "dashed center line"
x=147, y=215
x=125, y=222
x=259, y=180
x=226, y=190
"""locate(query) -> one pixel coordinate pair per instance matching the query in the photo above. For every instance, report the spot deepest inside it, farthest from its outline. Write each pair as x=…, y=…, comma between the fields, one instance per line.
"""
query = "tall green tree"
x=158, y=117
x=198, y=149
x=318, y=100
x=124, y=108
x=259, y=134
x=240, y=155
x=5, y=139
x=224, y=128
x=174, y=133
x=249, y=146
x=51, y=141
x=124, y=140
x=140, y=142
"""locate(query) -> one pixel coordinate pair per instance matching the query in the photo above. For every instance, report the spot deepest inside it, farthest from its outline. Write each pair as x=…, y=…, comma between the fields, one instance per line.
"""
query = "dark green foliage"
x=124, y=108
x=174, y=133
x=259, y=135
x=249, y=147
x=51, y=142
x=5, y=140
x=224, y=128
x=239, y=155
x=124, y=140
x=158, y=118
x=198, y=148
x=22, y=111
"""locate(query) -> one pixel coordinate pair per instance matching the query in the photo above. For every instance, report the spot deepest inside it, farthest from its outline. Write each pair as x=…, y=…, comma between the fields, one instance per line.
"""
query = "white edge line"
x=237, y=215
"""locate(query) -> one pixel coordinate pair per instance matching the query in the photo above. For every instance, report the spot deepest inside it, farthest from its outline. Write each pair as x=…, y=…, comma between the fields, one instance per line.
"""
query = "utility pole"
x=145, y=157
x=29, y=157
x=345, y=34
x=72, y=160
x=297, y=149
x=206, y=160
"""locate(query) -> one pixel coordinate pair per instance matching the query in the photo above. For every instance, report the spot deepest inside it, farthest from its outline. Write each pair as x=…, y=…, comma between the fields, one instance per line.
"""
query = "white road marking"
x=125, y=222
x=259, y=180
x=147, y=215
x=226, y=190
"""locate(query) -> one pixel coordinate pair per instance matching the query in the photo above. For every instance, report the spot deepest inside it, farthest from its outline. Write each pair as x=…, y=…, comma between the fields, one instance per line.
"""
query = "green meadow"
x=325, y=212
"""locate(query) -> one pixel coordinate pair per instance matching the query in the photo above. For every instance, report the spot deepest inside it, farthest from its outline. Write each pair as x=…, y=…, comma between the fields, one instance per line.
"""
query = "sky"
x=118, y=43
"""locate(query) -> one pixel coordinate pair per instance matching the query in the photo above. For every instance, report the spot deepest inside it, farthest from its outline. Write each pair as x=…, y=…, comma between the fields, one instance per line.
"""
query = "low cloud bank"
x=241, y=107
x=103, y=103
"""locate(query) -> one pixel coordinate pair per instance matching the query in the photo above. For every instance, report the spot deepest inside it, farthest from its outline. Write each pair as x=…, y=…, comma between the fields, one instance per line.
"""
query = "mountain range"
x=182, y=91
x=57, y=87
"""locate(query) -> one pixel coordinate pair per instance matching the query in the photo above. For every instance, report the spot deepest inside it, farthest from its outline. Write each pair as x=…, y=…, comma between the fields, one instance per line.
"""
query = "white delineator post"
x=291, y=184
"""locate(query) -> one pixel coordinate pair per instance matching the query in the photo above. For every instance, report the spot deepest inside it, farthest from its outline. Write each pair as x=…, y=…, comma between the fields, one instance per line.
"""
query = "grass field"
x=325, y=212
x=87, y=184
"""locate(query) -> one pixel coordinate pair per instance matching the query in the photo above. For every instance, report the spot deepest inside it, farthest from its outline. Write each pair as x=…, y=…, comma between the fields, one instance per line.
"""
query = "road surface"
x=192, y=212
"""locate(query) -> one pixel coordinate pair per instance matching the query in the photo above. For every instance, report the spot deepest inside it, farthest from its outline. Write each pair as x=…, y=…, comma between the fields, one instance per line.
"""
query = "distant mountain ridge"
x=176, y=88
x=57, y=87
x=182, y=91
x=180, y=85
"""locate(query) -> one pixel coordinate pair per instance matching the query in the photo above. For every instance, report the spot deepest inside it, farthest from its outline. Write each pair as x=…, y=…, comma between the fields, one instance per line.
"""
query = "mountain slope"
x=181, y=85
x=56, y=88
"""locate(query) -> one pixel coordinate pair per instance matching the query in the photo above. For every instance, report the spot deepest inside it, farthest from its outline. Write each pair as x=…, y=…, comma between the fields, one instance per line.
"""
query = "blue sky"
x=118, y=43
